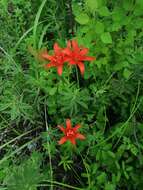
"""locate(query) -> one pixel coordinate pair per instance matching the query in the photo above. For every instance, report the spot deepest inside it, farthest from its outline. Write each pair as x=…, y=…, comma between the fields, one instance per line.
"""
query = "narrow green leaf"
x=36, y=22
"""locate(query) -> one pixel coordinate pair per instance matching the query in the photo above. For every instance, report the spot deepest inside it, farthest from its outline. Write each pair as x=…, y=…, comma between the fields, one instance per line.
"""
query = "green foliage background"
x=107, y=101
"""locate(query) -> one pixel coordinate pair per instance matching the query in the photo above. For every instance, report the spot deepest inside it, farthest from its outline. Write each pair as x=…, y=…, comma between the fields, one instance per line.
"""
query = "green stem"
x=62, y=184
x=49, y=150
x=77, y=77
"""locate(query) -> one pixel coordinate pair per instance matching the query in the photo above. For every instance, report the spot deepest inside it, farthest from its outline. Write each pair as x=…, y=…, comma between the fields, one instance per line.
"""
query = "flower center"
x=59, y=59
x=70, y=133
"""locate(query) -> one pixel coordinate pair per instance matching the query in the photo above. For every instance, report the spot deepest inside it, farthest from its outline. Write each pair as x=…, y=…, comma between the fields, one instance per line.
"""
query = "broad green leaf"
x=100, y=62
x=106, y=38
x=53, y=91
x=102, y=178
x=118, y=14
x=103, y=11
x=99, y=27
x=127, y=73
x=110, y=153
x=121, y=65
x=139, y=57
x=101, y=3
x=134, y=150
x=109, y=186
x=82, y=18
x=115, y=26
x=92, y=5
x=84, y=29
x=76, y=9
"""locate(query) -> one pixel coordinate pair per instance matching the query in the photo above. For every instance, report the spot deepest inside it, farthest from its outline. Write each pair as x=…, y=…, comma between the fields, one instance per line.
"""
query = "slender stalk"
x=77, y=77
x=71, y=21
x=49, y=150
x=18, y=137
x=62, y=184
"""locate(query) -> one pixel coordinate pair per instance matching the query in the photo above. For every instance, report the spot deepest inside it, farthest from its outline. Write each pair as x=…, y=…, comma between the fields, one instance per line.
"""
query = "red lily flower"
x=70, y=133
x=76, y=55
x=56, y=60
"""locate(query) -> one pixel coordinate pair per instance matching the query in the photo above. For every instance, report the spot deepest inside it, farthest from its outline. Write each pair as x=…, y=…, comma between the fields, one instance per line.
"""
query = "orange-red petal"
x=62, y=140
x=81, y=67
x=56, y=48
x=72, y=62
x=75, y=45
x=84, y=51
x=80, y=136
x=88, y=58
x=67, y=51
x=60, y=69
x=61, y=128
x=76, y=127
x=68, y=124
x=72, y=140
x=44, y=55
x=69, y=44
